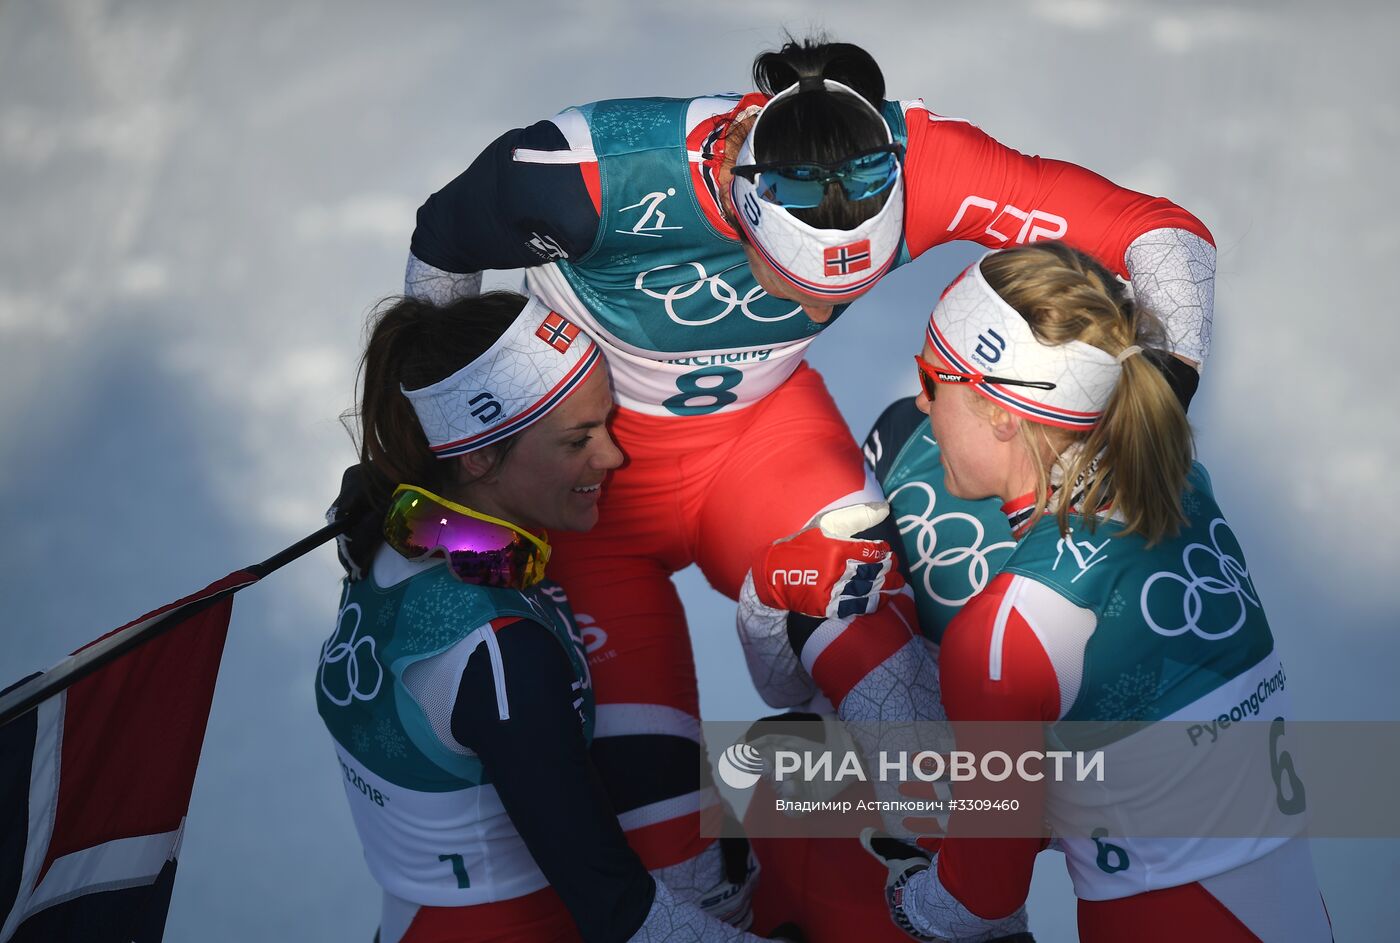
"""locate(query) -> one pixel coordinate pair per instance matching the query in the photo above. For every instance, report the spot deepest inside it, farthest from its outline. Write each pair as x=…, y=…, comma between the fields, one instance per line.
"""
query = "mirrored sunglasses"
x=479, y=549
x=803, y=184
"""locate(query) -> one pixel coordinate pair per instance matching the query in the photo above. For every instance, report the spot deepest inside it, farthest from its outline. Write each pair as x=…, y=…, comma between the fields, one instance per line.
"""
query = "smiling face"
x=983, y=453
x=551, y=478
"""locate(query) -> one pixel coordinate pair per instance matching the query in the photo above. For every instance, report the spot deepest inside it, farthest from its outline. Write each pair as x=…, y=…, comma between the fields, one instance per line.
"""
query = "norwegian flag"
x=557, y=332
x=95, y=783
x=845, y=260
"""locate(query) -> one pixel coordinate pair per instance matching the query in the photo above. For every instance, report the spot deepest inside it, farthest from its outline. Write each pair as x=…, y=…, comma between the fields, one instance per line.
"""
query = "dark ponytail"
x=819, y=125
x=813, y=57
x=414, y=343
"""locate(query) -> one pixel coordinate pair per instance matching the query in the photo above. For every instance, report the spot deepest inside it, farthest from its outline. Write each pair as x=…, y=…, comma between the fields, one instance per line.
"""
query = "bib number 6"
x=1290, y=795
x=704, y=391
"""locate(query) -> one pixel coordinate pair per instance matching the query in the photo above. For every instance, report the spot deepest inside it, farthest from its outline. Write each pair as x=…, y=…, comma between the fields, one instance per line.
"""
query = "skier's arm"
x=816, y=583
x=963, y=184
x=538, y=762
x=529, y=199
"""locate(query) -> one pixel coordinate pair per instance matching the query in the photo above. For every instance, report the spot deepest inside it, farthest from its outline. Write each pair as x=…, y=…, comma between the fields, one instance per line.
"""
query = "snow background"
x=201, y=200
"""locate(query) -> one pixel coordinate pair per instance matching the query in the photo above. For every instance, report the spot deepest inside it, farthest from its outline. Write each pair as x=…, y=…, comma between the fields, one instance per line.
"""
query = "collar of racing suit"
x=1020, y=512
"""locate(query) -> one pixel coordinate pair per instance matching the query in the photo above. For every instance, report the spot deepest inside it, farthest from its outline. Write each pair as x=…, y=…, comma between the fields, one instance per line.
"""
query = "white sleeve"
x=781, y=680
x=671, y=920
x=429, y=283
x=933, y=911
x=1173, y=276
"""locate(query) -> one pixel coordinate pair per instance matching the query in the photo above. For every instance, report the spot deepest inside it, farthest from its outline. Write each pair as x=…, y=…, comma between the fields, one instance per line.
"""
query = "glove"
x=931, y=827
x=823, y=573
x=1180, y=376
x=731, y=900
x=801, y=732
x=902, y=861
x=356, y=546
x=719, y=883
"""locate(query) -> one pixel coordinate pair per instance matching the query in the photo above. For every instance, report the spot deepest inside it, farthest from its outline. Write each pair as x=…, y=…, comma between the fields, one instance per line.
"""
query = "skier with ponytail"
x=455, y=684
x=1073, y=429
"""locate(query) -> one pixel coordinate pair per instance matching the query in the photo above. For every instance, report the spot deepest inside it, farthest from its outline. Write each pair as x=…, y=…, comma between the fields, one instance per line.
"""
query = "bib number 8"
x=697, y=399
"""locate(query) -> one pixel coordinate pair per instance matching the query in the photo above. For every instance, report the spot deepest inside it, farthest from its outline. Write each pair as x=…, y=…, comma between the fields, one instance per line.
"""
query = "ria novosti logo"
x=740, y=766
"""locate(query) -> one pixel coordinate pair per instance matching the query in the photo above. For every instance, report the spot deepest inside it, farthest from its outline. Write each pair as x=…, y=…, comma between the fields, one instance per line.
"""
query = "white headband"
x=531, y=369
x=975, y=331
x=836, y=264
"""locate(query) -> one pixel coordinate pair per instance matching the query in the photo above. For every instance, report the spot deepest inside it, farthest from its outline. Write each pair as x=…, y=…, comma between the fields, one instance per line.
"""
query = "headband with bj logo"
x=834, y=264
x=534, y=366
x=976, y=331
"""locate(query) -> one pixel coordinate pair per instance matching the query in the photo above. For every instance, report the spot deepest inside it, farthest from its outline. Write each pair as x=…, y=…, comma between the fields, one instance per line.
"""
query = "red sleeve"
x=962, y=184
x=991, y=876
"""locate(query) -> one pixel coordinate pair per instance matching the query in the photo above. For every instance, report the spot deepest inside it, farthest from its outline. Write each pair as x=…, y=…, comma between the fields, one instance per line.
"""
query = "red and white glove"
x=822, y=572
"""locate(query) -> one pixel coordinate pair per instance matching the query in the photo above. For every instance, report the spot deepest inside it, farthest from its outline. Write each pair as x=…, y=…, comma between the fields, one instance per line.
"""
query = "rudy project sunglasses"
x=930, y=376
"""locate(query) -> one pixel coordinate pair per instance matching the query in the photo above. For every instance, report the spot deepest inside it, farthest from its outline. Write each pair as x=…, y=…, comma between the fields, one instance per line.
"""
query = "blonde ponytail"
x=1137, y=458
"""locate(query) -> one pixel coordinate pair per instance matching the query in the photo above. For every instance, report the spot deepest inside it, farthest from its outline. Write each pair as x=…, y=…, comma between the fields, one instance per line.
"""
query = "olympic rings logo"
x=720, y=291
x=931, y=559
x=1233, y=580
x=351, y=653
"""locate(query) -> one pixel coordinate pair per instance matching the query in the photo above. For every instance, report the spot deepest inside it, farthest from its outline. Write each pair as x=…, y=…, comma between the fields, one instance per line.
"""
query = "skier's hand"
x=822, y=572
x=800, y=732
x=356, y=546
x=903, y=862
x=901, y=859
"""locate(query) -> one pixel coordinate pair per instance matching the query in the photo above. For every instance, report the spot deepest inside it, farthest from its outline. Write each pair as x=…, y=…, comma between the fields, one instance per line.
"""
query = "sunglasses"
x=930, y=376
x=803, y=184
x=479, y=549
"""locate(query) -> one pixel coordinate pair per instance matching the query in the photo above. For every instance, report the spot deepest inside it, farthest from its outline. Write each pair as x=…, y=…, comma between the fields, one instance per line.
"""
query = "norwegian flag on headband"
x=848, y=259
x=95, y=783
x=558, y=333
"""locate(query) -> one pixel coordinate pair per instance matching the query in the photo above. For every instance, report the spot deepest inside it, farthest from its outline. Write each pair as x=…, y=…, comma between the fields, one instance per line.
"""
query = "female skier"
x=1072, y=429
x=456, y=685
x=704, y=243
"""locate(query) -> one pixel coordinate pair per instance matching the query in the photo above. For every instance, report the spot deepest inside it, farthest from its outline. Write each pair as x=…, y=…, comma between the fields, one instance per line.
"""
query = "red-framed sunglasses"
x=930, y=376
